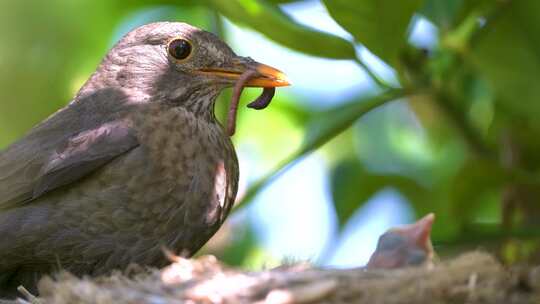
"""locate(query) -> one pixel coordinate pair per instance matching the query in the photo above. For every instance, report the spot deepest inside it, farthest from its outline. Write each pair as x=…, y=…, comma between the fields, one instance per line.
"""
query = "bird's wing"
x=51, y=156
x=70, y=160
x=82, y=154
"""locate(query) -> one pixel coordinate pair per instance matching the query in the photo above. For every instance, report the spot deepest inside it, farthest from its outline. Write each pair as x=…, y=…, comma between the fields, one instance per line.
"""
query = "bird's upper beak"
x=268, y=77
x=419, y=233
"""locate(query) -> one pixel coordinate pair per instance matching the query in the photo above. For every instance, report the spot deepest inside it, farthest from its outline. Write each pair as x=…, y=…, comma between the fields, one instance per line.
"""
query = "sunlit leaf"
x=271, y=21
x=380, y=25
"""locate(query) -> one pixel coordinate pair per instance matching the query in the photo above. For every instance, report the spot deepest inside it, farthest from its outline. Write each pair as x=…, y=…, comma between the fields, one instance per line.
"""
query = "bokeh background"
x=397, y=109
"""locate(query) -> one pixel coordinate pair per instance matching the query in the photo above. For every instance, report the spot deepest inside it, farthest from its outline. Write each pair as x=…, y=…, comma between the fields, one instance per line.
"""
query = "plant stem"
x=377, y=79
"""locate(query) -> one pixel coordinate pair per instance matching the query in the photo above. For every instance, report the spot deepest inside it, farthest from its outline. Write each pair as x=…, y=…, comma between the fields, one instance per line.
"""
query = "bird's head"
x=409, y=245
x=177, y=64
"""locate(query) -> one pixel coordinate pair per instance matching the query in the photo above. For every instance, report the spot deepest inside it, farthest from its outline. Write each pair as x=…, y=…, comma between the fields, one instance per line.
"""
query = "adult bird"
x=135, y=162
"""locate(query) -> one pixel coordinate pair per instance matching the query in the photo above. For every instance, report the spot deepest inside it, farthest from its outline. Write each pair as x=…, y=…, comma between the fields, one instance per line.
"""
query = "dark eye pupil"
x=179, y=48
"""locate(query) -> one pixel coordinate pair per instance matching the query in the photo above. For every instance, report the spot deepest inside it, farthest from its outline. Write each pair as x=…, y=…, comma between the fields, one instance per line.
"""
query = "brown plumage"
x=136, y=162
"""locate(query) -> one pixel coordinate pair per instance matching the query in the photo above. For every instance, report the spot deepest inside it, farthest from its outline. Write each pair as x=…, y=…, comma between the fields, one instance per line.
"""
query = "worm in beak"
x=260, y=103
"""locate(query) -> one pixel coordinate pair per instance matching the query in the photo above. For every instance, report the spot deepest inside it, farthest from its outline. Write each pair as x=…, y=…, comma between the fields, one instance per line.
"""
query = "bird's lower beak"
x=267, y=76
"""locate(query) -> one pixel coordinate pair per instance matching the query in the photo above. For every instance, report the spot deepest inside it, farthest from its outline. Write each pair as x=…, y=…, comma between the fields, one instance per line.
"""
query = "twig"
x=29, y=296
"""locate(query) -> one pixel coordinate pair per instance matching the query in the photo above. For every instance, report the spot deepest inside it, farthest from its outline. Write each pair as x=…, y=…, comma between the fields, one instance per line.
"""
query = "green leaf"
x=442, y=13
x=348, y=189
x=239, y=243
x=477, y=234
x=332, y=122
x=276, y=25
x=283, y=1
x=380, y=25
x=46, y=53
x=327, y=126
x=353, y=185
x=507, y=53
x=473, y=181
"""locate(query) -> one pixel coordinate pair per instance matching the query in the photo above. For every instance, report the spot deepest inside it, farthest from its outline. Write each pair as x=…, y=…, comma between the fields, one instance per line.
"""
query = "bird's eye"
x=179, y=48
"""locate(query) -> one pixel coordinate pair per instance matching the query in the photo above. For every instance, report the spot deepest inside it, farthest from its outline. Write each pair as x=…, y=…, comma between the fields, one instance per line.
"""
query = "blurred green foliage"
x=381, y=26
x=474, y=94
x=276, y=25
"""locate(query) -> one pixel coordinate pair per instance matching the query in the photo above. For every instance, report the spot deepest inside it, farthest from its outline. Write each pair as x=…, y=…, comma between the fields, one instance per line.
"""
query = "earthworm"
x=260, y=103
x=263, y=100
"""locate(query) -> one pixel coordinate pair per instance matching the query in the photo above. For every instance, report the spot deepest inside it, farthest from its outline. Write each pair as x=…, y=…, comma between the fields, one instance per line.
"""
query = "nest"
x=474, y=277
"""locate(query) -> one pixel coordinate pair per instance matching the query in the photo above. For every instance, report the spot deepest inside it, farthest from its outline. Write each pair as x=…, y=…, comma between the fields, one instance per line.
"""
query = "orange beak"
x=269, y=77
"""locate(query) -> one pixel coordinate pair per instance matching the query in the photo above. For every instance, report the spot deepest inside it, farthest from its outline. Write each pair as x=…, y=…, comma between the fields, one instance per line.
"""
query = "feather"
x=71, y=143
x=82, y=154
